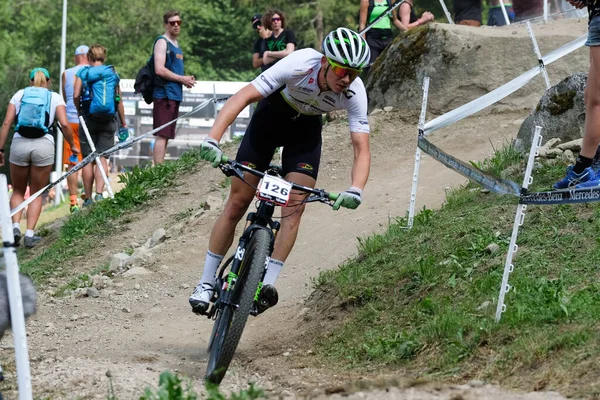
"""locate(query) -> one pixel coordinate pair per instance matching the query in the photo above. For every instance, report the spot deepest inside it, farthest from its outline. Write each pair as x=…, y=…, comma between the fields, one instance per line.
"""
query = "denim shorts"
x=594, y=33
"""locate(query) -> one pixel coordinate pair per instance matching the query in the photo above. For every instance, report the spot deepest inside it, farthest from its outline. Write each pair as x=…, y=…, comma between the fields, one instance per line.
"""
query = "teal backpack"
x=101, y=82
x=33, y=119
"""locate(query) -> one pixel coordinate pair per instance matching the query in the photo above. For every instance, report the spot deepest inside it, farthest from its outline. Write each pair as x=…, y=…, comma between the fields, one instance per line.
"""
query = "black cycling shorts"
x=276, y=124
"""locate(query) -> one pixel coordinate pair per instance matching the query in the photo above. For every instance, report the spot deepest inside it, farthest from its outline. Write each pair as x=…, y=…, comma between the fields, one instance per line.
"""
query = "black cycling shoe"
x=267, y=298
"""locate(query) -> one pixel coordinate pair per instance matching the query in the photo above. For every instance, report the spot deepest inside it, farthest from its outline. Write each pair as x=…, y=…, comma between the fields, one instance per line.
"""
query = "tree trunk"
x=319, y=29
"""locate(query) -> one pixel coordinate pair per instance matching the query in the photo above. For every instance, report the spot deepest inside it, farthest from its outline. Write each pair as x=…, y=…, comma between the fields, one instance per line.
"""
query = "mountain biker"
x=292, y=96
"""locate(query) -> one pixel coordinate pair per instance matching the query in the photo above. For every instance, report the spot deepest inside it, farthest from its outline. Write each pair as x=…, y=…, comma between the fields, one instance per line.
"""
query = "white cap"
x=83, y=49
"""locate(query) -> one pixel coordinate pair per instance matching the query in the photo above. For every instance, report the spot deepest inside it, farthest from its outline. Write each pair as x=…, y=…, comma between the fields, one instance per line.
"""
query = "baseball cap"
x=33, y=72
x=256, y=20
x=83, y=49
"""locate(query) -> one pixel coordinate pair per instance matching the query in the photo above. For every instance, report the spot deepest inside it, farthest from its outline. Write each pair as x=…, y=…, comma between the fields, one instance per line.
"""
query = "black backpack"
x=146, y=78
x=370, y=10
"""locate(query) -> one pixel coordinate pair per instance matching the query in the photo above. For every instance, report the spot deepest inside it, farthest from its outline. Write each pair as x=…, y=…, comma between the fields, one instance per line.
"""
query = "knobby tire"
x=230, y=324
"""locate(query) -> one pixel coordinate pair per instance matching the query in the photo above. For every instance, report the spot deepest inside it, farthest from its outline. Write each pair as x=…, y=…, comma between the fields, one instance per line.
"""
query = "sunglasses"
x=173, y=23
x=341, y=71
x=276, y=19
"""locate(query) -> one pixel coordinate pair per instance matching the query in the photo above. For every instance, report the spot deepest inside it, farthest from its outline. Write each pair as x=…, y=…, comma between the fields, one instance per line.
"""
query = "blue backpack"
x=101, y=82
x=33, y=119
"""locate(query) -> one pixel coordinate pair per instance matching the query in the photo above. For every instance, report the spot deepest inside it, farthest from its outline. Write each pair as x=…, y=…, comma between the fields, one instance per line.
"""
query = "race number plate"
x=275, y=190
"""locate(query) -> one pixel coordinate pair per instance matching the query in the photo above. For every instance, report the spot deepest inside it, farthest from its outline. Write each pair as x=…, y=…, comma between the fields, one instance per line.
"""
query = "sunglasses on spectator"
x=173, y=23
x=341, y=71
x=276, y=19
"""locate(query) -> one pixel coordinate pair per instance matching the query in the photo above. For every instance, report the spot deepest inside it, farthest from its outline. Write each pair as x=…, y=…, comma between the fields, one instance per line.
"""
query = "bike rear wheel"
x=230, y=323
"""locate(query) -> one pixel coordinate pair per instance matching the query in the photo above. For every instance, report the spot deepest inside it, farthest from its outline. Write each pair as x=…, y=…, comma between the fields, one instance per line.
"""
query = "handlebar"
x=231, y=167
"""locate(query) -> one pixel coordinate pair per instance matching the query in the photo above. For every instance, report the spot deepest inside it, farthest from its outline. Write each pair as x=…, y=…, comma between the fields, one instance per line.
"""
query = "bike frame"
x=225, y=289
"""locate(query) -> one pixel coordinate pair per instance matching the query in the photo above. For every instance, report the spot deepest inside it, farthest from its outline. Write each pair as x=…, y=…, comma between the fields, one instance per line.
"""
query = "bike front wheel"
x=230, y=322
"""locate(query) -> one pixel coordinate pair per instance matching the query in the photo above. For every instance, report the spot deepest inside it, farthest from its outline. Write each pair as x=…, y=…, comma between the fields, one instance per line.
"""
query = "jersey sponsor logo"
x=349, y=93
x=363, y=122
x=306, y=90
x=305, y=167
x=265, y=80
x=311, y=81
x=249, y=164
x=180, y=56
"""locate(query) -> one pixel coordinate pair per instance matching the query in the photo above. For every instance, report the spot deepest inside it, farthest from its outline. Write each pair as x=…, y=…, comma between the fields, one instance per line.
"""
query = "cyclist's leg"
x=256, y=151
x=300, y=159
x=291, y=216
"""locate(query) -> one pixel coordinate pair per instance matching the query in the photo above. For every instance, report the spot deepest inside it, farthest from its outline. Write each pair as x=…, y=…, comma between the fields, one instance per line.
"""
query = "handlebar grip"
x=333, y=196
x=224, y=159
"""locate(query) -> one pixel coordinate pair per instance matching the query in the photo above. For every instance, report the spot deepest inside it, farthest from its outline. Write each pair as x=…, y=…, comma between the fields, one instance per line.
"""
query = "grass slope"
x=424, y=300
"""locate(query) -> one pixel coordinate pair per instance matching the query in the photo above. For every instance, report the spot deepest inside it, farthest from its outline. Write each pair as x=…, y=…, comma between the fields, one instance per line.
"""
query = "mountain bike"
x=239, y=280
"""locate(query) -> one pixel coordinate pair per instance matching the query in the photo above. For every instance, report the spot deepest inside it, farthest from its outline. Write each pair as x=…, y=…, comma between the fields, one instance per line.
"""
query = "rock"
x=118, y=261
x=184, y=286
x=213, y=203
x=97, y=281
x=573, y=145
x=376, y=111
x=93, y=292
x=462, y=67
x=492, y=248
x=568, y=156
x=388, y=108
x=74, y=317
x=137, y=286
x=136, y=271
x=286, y=354
x=476, y=383
x=126, y=310
x=560, y=111
x=159, y=236
x=552, y=143
x=483, y=305
x=553, y=153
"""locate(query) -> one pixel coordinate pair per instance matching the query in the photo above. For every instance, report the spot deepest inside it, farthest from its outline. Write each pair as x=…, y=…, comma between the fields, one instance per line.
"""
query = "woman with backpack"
x=97, y=98
x=32, y=149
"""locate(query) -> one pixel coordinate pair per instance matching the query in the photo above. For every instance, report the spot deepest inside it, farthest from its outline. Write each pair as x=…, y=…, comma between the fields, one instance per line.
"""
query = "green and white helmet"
x=346, y=47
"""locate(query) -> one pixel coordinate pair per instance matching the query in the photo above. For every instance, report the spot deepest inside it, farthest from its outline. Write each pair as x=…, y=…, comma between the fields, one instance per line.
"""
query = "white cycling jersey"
x=299, y=73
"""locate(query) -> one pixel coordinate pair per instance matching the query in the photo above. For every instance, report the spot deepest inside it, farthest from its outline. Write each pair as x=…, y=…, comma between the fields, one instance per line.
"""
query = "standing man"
x=496, y=16
x=260, y=44
x=68, y=82
x=581, y=175
x=168, y=66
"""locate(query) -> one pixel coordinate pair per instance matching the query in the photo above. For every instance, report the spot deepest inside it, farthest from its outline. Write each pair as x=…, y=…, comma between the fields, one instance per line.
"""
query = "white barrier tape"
x=106, y=153
x=501, y=92
x=389, y=10
x=496, y=185
x=131, y=141
x=538, y=54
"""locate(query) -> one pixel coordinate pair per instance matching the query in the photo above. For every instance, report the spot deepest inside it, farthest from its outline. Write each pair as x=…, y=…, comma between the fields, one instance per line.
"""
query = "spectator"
x=32, y=147
x=281, y=42
x=168, y=65
x=496, y=17
x=408, y=18
x=68, y=82
x=467, y=12
x=581, y=175
x=527, y=9
x=260, y=44
x=101, y=125
x=380, y=35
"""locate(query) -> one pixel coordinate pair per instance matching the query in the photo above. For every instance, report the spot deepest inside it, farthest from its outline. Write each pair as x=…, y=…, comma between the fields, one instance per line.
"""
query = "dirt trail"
x=142, y=325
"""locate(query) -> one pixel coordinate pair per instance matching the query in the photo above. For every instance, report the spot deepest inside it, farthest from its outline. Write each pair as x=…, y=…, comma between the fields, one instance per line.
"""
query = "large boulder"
x=560, y=112
x=465, y=63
